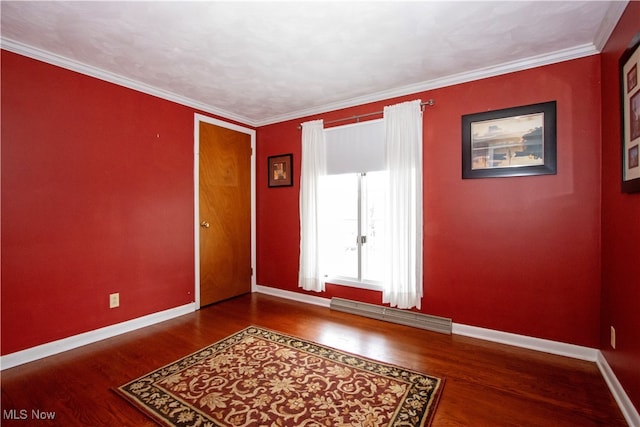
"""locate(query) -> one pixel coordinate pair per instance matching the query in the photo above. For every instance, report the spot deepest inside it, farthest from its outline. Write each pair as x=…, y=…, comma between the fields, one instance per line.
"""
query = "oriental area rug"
x=259, y=377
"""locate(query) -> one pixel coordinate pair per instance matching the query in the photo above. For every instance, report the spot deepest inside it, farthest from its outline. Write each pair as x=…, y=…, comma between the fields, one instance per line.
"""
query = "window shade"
x=355, y=148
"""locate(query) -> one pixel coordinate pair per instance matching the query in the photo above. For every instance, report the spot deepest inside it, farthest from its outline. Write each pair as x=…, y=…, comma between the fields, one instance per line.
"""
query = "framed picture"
x=630, y=108
x=518, y=141
x=280, y=170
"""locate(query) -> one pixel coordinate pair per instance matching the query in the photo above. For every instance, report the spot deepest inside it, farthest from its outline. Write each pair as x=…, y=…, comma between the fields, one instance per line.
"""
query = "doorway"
x=224, y=213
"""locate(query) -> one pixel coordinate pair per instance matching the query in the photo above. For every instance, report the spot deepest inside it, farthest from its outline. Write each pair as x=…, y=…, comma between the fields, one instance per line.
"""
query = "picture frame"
x=630, y=117
x=280, y=170
x=517, y=141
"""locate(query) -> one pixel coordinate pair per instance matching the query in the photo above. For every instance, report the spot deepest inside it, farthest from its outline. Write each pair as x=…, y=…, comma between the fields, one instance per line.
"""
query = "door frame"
x=197, y=118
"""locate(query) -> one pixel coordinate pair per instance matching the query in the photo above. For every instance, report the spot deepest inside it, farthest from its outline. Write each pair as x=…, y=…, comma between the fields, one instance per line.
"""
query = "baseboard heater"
x=393, y=315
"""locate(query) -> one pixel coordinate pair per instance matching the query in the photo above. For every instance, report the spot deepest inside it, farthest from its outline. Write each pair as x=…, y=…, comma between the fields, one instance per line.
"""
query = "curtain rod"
x=357, y=118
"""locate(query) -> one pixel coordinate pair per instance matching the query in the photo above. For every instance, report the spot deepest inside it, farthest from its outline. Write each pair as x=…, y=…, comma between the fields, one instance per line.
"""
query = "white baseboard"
x=553, y=347
x=626, y=406
x=547, y=346
x=295, y=296
x=569, y=350
x=55, y=347
x=538, y=344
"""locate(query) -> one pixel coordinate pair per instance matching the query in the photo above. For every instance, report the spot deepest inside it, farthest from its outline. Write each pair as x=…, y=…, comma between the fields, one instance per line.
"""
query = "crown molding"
x=70, y=64
x=611, y=18
x=481, y=73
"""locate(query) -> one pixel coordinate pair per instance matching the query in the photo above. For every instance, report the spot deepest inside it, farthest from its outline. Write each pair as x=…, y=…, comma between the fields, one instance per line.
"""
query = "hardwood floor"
x=487, y=384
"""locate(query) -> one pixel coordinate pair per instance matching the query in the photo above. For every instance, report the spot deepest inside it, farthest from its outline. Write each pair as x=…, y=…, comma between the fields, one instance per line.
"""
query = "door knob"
x=204, y=224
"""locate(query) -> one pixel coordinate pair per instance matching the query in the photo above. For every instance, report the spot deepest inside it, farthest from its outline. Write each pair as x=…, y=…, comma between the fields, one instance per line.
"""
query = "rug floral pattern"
x=258, y=377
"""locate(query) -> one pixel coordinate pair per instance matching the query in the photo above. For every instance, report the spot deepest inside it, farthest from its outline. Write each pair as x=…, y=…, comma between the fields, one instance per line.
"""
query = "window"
x=352, y=205
x=352, y=219
x=399, y=146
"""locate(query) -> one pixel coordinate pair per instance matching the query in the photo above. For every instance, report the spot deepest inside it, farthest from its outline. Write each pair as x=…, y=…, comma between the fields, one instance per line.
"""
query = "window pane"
x=340, y=224
x=373, y=191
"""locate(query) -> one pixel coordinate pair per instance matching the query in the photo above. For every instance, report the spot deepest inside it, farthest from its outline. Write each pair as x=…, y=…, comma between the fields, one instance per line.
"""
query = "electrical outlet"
x=613, y=337
x=114, y=300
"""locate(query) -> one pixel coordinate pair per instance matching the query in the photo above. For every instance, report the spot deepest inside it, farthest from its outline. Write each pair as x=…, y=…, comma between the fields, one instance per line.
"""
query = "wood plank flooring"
x=487, y=384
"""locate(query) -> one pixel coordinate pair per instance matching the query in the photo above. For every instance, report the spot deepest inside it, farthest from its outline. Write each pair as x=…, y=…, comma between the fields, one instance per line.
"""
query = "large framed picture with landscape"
x=630, y=108
x=518, y=141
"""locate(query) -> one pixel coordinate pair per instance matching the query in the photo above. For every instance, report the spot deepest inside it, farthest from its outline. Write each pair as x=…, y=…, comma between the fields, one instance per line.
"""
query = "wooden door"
x=225, y=213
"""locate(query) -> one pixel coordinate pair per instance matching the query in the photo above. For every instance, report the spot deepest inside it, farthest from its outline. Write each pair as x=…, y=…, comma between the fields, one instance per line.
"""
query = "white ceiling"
x=264, y=62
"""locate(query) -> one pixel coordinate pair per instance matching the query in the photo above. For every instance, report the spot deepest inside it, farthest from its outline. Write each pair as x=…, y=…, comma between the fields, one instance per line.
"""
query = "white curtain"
x=403, y=137
x=310, y=275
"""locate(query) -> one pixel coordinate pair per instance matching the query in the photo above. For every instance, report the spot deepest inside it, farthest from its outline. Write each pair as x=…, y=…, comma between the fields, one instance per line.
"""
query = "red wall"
x=620, y=224
x=519, y=255
x=97, y=197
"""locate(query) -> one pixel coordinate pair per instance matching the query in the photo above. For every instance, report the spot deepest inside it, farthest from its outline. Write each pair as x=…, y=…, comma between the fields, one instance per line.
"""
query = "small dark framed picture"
x=630, y=109
x=518, y=141
x=280, y=170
